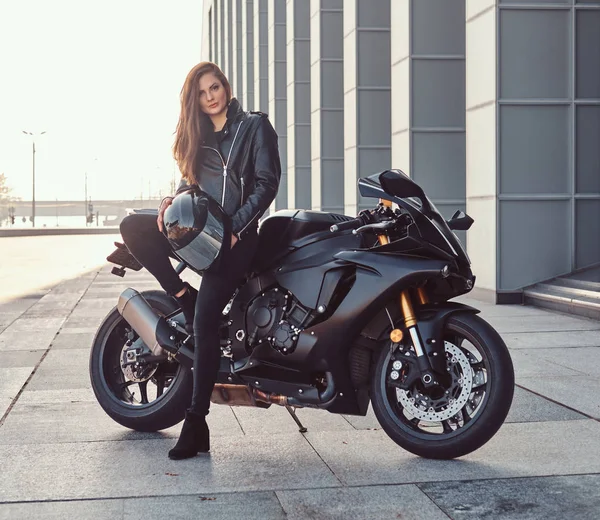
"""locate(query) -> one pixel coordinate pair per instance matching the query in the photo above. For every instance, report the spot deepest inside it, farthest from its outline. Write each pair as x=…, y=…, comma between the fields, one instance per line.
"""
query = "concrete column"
x=531, y=122
x=428, y=105
x=400, y=83
x=216, y=21
x=481, y=188
x=298, y=94
x=247, y=94
x=586, y=116
x=208, y=45
x=229, y=30
x=367, y=79
x=261, y=56
x=222, y=56
x=237, y=37
x=327, y=103
x=278, y=89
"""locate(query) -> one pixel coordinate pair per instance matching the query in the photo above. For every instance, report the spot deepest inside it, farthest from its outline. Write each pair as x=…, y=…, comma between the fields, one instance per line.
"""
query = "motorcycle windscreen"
x=395, y=184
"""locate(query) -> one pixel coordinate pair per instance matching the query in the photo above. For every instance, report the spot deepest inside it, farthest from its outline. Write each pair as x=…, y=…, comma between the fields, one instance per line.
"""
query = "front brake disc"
x=436, y=410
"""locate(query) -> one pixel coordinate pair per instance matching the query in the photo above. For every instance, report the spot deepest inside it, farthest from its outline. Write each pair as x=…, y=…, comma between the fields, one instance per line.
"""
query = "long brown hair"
x=192, y=121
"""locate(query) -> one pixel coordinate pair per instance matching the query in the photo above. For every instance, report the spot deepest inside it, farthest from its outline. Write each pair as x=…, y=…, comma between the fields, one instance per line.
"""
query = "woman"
x=233, y=156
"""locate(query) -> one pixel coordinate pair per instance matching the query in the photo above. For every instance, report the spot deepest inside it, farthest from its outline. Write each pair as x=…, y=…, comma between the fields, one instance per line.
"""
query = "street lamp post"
x=33, y=175
x=87, y=203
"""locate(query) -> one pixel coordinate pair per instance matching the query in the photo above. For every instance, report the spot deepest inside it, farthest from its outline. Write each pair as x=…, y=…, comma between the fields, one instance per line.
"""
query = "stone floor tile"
x=20, y=358
x=544, y=323
x=358, y=503
x=561, y=340
x=585, y=360
x=544, y=498
x=581, y=393
x=276, y=419
x=529, y=407
x=525, y=449
x=213, y=506
x=26, y=340
x=141, y=468
x=81, y=509
x=11, y=381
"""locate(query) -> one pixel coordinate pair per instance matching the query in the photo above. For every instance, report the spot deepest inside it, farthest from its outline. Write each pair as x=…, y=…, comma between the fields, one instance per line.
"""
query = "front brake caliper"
x=403, y=371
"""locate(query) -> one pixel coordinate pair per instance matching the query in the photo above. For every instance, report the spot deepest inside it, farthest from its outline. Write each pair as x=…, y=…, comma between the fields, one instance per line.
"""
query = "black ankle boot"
x=187, y=302
x=194, y=437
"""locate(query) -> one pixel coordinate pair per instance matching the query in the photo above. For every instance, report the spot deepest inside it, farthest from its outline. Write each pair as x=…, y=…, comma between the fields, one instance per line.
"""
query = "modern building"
x=493, y=106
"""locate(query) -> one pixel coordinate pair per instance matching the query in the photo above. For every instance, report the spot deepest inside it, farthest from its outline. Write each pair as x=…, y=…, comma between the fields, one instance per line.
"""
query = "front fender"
x=431, y=319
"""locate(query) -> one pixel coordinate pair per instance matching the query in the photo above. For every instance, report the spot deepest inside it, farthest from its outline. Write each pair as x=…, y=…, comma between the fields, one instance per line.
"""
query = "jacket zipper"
x=225, y=164
x=246, y=226
x=224, y=185
x=242, y=197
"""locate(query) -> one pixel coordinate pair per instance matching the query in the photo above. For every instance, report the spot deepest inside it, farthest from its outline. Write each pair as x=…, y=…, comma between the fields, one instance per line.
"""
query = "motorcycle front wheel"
x=146, y=398
x=462, y=413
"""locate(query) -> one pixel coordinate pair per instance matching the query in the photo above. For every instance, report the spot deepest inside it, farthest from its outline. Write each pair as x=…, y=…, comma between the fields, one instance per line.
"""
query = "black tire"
x=163, y=412
x=490, y=412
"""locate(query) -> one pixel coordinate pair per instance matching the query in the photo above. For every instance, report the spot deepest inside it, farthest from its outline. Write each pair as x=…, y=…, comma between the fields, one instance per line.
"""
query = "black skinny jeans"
x=151, y=249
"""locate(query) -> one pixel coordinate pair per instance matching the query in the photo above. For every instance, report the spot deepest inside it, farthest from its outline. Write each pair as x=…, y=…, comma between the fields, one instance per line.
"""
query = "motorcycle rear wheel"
x=166, y=392
x=459, y=418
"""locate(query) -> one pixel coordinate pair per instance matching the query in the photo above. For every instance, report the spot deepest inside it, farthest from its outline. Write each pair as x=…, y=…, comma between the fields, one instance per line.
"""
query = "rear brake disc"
x=131, y=370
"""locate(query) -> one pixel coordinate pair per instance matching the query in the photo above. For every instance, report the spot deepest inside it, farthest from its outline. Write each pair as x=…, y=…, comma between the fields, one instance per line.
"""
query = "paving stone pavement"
x=61, y=456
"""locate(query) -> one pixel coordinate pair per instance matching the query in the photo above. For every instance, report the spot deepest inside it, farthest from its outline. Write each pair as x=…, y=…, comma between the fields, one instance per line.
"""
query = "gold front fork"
x=422, y=296
x=410, y=320
x=408, y=312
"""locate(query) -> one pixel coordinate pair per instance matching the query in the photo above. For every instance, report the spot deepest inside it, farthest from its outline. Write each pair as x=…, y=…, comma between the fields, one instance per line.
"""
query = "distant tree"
x=5, y=199
x=4, y=189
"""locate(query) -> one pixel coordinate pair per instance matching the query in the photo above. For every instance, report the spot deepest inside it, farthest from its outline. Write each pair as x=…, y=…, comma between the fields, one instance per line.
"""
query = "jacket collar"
x=235, y=112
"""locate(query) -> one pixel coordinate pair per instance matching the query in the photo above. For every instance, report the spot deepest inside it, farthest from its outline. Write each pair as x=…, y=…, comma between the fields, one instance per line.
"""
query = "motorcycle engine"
x=277, y=318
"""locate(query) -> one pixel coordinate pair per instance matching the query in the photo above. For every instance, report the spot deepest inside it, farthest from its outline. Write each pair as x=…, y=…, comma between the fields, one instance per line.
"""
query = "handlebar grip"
x=349, y=224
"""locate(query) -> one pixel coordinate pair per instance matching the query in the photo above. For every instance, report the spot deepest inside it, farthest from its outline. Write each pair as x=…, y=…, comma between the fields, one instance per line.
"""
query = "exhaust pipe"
x=153, y=329
x=242, y=395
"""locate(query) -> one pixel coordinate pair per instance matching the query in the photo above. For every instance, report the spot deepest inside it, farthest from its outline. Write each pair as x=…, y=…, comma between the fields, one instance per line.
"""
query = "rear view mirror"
x=460, y=221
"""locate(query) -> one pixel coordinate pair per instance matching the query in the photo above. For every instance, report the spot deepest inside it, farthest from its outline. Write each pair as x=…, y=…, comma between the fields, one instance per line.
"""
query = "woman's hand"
x=165, y=203
x=234, y=239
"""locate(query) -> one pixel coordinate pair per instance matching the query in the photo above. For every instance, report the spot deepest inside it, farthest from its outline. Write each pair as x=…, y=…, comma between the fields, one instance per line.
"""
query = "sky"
x=102, y=78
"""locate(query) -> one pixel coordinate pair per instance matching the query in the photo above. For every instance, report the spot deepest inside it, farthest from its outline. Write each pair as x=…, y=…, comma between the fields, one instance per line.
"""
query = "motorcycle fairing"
x=288, y=230
x=303, y=271
x=430, y=324
x=325, y=346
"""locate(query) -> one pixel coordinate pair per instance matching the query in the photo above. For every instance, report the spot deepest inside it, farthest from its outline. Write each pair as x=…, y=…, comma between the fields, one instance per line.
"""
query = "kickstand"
x=292, y=412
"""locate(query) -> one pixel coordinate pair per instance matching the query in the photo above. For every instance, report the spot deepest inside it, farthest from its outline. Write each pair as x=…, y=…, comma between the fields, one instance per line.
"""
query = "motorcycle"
x=335, y=313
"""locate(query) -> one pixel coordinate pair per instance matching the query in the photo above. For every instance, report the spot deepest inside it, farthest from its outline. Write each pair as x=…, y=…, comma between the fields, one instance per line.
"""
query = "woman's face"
x=213, y=98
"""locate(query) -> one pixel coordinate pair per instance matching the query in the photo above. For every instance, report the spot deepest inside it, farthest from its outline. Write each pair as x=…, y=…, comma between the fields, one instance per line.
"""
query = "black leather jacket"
x=242, y=172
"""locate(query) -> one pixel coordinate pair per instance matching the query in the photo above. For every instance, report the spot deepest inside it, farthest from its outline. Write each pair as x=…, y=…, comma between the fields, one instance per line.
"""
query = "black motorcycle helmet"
x=196, y=227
